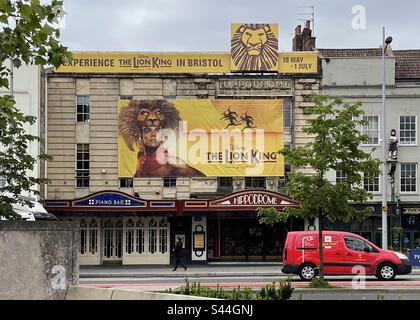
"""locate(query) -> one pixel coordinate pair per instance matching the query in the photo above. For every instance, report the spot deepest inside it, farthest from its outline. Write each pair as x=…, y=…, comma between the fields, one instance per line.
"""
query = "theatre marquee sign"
x=254, y=199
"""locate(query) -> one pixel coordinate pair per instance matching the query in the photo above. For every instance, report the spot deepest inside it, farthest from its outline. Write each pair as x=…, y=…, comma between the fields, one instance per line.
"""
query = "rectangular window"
x=408, y=177
x=126, y=97
x=340, y=176
x=371, y=185
x=83, y=108
x=169, y=182
x=93, y=241
x=287, y=114
x=126, y=182
x=2, y=182
x=255, y=182
x=83, y=241
x=287, y=166
x=82, y=166
x=225, y=182
x=371, y=130
x=408, y=130
x=169, y=97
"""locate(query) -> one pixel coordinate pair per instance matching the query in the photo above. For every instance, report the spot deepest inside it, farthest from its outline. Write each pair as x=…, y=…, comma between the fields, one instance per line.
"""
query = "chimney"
x=303, y=40
x=297, y=39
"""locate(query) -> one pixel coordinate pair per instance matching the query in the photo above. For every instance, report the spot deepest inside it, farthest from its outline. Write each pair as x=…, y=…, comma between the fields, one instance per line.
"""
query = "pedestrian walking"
x=178, y=254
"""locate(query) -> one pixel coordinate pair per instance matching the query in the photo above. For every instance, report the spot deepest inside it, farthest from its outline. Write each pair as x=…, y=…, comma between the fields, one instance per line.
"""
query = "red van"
x=342, y=252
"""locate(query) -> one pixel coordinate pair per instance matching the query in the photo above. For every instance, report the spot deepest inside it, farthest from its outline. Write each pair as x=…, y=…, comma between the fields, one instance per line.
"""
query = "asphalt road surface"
x=162, y=283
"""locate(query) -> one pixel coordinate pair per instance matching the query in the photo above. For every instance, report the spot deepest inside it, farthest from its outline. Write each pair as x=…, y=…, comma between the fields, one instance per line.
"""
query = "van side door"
x=333, y=254
x=359, y=253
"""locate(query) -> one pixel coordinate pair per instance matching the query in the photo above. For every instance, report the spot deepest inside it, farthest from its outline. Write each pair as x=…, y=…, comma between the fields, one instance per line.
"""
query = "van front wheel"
x=386, y=271
x=307, y=271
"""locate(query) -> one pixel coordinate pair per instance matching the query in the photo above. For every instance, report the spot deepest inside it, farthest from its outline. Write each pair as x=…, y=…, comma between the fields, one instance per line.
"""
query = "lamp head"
x=388, y=40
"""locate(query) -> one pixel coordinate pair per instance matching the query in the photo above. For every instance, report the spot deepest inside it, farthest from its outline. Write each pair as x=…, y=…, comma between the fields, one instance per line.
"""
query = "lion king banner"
x=193, y=138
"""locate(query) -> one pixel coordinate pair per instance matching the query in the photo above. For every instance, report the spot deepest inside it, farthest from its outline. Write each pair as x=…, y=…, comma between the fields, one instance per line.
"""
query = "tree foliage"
x=335, y=129
x=28, y=36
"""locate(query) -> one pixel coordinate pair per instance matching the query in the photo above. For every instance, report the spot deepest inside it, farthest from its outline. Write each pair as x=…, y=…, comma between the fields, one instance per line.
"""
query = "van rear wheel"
x=307, y=271
x=386, y=271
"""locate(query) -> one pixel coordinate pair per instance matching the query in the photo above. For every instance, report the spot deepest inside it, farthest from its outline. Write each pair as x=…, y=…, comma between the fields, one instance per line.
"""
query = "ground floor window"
x=146, y=235
x=89, y=230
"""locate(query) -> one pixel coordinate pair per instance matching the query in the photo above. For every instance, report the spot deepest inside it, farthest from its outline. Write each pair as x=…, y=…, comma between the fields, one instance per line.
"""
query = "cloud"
x=204, y=25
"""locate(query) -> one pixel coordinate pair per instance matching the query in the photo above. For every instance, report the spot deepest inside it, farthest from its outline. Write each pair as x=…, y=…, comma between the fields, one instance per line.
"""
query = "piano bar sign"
x=255, y=199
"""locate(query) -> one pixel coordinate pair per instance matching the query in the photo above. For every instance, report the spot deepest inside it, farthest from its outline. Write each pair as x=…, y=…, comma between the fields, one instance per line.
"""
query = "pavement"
x=237, y=269
x=195, y=270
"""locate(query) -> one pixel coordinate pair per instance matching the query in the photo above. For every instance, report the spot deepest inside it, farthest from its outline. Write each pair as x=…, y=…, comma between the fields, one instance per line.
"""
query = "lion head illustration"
x=145, y=113
x=254, y=47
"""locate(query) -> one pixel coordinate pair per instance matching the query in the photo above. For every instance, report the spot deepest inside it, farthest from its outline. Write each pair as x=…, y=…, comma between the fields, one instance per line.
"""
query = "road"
x=164, y=282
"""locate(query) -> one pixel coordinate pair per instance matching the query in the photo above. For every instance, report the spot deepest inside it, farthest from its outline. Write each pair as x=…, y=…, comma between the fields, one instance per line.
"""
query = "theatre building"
x=149, y=147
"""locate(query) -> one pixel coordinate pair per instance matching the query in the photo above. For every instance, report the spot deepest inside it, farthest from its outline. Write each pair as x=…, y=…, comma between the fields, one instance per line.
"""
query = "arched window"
x=129, y=236
x=153, y=235
x=108, y=223
x=163, y=235
x=119, y=237
x=93, y=236
x=108, y=244
x=140, y=235
x=83, y=236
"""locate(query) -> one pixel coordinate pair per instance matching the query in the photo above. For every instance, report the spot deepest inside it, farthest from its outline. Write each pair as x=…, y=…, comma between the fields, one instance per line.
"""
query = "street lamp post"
x=385, y=43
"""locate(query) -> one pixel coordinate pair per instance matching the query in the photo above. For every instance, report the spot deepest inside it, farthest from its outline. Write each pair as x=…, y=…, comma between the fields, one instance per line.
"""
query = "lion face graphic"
x=145, y=115
x=254, y=40
x=254, y=48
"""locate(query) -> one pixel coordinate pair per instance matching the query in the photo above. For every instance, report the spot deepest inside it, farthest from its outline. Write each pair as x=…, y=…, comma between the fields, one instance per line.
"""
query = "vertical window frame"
x=255, y=183
x=401, y=136
x=83, y=174
x=368, y=184
x=340, y=176
x=368, y=130
x=402, y=169
x=287, y=114
x=83, y=116
x=169, y=182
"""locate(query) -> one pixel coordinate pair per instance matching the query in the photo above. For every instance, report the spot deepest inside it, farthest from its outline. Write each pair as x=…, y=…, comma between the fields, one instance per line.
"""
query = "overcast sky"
x=204, y=25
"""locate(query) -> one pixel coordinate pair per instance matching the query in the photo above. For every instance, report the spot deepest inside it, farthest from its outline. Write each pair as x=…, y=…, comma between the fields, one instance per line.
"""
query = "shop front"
x=118, y=228
x=233, y=231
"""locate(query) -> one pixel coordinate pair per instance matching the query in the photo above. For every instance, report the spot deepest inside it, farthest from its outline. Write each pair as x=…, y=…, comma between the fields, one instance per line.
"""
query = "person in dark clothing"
x=177, y=253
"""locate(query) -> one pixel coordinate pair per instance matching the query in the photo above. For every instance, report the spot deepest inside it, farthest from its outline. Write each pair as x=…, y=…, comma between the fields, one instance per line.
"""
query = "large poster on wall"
x=193, y=138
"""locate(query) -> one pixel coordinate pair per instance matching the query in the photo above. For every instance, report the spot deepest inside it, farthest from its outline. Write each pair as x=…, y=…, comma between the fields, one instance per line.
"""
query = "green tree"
x=334, y=128
x=28, y=36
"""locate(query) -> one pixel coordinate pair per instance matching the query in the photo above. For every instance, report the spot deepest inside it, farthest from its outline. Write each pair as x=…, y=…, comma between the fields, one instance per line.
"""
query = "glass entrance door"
x=255, y=242
x=112, y=240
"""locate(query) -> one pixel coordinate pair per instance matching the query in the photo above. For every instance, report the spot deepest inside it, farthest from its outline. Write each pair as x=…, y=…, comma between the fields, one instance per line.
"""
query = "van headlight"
x=401, y=255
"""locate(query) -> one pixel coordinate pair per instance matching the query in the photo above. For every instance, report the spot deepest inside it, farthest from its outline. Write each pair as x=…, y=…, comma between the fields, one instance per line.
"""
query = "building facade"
x=27, y=85
x=135, y=220
x=356, y=75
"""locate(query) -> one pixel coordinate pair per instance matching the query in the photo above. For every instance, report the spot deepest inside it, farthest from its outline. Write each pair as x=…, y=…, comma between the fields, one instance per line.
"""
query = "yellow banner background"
x=125, y=62
x=298, y=62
